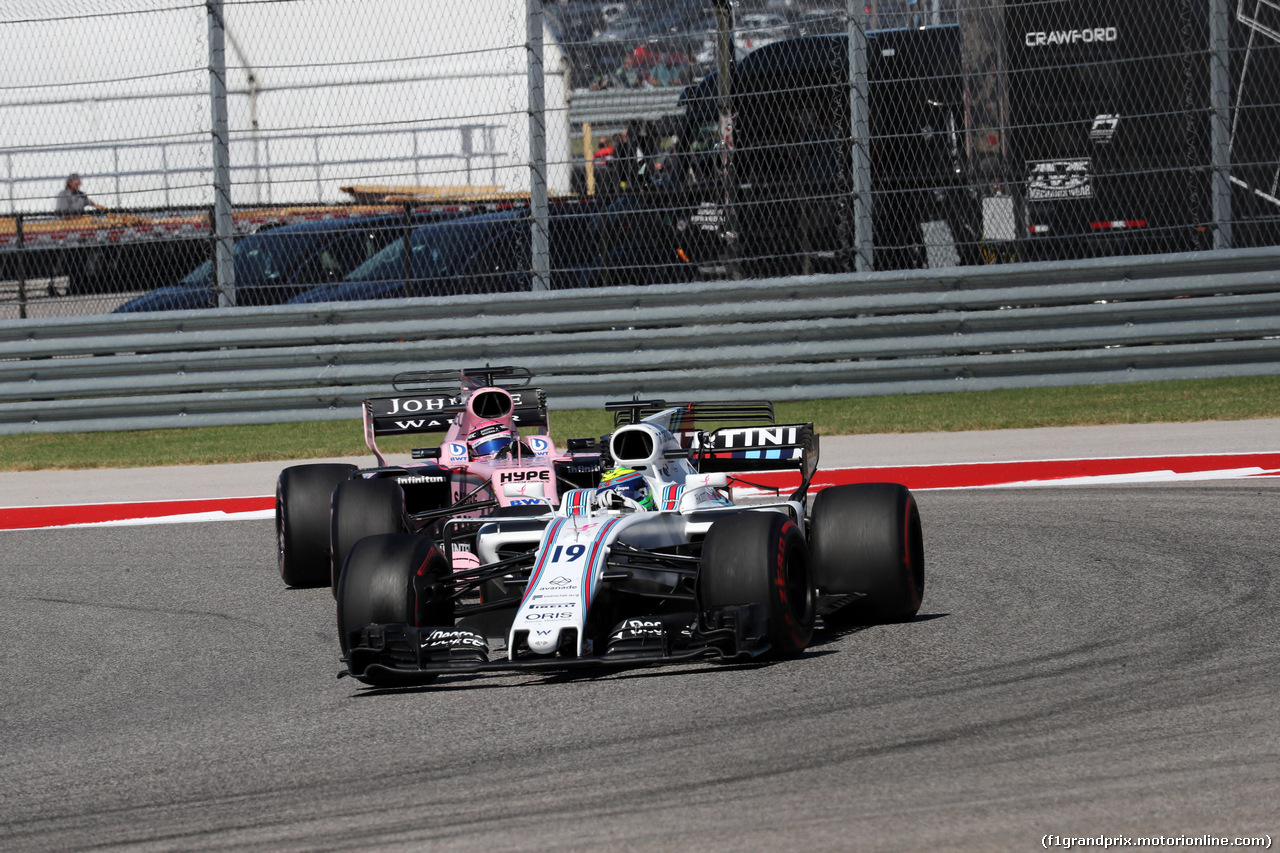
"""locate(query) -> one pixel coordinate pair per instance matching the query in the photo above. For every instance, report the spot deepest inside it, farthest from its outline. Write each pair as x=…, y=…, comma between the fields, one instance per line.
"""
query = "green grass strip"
x=1240, y=398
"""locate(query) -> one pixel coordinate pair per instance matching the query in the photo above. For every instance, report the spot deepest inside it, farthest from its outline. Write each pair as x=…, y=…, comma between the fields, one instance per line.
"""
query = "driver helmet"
x=629, y=483
x=488, y=439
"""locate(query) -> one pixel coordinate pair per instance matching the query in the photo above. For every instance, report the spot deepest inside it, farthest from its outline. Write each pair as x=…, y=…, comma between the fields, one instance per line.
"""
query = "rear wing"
x=410, y=414
x=756, y=448
x=741, y=411
x=758, y=445
x=450, y=381
x=413, y=414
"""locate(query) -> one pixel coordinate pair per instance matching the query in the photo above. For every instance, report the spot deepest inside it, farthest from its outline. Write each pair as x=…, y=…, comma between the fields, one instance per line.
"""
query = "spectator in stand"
x=604, y=154
x=690, y=72
x=644, y=58
x=628, y=76
x=620, y=165
x=71, y=201
x=664, y=74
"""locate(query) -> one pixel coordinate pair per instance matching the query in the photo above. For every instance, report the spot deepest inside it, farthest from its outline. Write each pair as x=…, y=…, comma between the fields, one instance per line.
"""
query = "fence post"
x=224, y=271
x=725, y=55
x=860, y=131
x=22, y=268
x=408, y=250
x=539, y=212
x=1219, y=126
x=8, y=158
x=211, y=219
x=588, y=157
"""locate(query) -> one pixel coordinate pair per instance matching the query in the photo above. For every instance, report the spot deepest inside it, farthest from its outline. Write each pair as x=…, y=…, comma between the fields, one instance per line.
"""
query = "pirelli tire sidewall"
x=761, y=558
x=396, y=578
x=360, y=508
x=866, y=540
x=302, y=521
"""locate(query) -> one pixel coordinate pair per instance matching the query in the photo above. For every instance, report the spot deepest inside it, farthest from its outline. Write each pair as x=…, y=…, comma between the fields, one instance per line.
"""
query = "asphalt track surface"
x=1090, y=661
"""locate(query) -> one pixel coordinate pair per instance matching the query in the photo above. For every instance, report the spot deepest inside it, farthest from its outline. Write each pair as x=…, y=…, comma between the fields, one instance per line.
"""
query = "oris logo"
x=1056, y=37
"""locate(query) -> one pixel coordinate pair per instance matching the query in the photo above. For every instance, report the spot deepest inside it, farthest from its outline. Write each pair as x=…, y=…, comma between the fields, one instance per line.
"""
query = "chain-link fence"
x=389, y=148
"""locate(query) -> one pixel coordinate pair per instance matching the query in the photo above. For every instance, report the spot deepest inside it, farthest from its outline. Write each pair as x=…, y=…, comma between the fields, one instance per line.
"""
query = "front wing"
x=723, y=633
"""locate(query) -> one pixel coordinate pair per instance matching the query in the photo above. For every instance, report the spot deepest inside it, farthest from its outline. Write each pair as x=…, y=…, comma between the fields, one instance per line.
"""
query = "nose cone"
x=543, y=641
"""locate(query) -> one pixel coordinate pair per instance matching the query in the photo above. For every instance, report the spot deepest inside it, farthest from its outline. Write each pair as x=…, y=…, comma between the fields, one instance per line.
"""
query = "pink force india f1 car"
x=483, y=464
x=656, y=563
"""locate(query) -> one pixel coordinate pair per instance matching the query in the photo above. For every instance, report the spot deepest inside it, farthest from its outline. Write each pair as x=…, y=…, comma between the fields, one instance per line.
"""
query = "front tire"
x=761, y=558
x=302, y=521
x=362, y=508
x=866, y=540
x=378, y=586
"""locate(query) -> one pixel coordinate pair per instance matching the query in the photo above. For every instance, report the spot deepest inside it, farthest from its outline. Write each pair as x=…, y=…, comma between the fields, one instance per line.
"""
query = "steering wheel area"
x=610, y=499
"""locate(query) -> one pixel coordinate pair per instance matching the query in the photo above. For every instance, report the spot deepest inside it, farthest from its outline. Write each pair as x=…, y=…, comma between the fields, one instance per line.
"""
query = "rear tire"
x=302, y=521
x=362, y=508
x=761, y=558
x=377, y=587
x=866, y=540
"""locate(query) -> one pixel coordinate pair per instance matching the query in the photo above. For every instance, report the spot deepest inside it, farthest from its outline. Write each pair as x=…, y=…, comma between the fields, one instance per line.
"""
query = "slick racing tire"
x=362, y=508
x=378, y=587
x=866, y=541
x=761, y=558
x=302, y=521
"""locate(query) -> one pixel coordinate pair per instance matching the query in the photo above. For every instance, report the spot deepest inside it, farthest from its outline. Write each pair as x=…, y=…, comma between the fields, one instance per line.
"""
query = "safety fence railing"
x=1104, y=320
x=179, y=166
x=762, y=139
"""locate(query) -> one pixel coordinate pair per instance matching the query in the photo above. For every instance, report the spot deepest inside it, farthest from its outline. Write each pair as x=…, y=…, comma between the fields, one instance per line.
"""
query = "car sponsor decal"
x=578, y=501
x=597, y=544
x=784, y=453
x=670, y=499
x=742, y=437
x=525, y=476
x=418, y=479
x=548, y=536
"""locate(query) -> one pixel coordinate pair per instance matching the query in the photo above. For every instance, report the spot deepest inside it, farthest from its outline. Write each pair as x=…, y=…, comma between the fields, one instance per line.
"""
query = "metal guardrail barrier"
x=1100, y=321
x=609, y=110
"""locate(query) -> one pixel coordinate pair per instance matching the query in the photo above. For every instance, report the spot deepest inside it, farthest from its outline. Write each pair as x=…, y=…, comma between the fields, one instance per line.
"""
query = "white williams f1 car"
x=655, y=564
